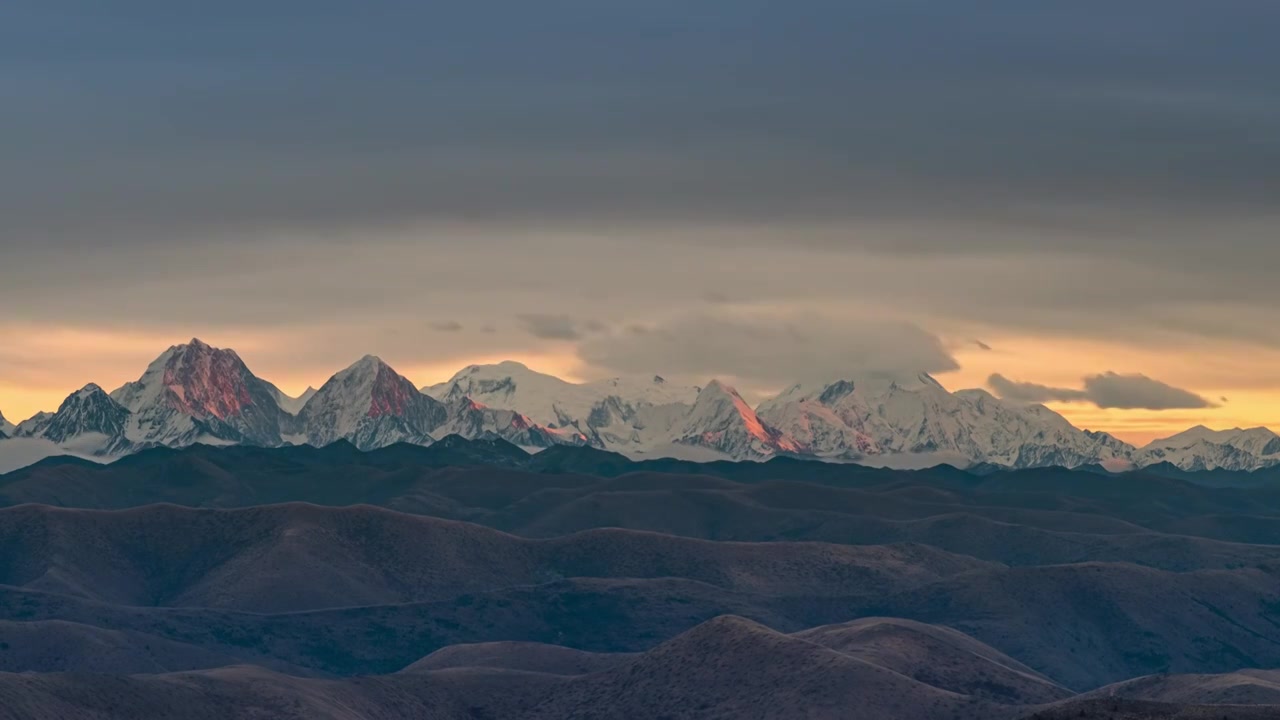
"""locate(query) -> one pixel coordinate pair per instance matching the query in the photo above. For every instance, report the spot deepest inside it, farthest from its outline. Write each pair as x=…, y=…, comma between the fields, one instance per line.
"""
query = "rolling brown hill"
x=525, y=656
x=472, y=581
x=1244, y=687
x=1091, y=624
x=940, y=657
x=303, y=557
x=1118, y=709
x=734, y=668
x=726, y=668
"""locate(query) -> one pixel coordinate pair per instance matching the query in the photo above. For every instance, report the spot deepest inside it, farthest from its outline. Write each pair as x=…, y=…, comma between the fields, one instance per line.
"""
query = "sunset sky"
x=763, y=192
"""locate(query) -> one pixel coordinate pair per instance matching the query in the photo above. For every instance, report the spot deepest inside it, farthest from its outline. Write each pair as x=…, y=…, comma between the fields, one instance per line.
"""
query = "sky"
x=1064, y=202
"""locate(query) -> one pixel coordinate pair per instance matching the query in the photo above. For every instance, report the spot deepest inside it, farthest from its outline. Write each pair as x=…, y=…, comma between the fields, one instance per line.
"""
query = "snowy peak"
x=199, y=393
x=1201, y=448
x=194, y=379
x=623, y=414
x=6, y=428
x=371, y=405
x=860, y=418
x=721, y=420
x=813, y=417
x=505, y=385
x=88, y=421
x=389, y=393
x=1256, y=439
x=476, y=421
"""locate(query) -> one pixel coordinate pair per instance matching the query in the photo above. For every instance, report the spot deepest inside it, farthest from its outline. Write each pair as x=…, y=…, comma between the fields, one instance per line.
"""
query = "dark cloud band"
x=1105, y=390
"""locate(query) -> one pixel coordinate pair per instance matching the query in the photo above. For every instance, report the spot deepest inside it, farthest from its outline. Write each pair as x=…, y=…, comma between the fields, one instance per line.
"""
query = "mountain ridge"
x=198, y=393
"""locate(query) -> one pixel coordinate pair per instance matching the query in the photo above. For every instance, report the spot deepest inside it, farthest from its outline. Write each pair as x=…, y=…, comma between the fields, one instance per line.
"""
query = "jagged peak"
x=370, y=361
x=89, y=389
x=193, y=349
x=717, y=391
x=197, y=346
x=716, y=387
x=367, y=365
x=89, y=393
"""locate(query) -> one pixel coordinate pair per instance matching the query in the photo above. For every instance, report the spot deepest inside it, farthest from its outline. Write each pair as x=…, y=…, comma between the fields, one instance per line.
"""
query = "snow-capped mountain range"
x=195, y=393
x=876, y=416
x=1203, y=449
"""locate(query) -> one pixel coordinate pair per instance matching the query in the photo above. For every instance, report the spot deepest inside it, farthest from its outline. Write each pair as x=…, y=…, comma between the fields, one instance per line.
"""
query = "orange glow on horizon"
x=48, y=364
x=1063, y=362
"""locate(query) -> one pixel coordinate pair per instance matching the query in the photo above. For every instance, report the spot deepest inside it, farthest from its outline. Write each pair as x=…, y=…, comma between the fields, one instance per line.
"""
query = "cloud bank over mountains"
x=413, y=176
x=768, y=350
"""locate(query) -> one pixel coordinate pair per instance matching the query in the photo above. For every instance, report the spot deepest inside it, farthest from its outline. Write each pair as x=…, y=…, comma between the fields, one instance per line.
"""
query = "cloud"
x=447, y=326
x=981, y=345
x=1032, y=392
x=1113, y=390
x=551, y=327
x=334, y=202
x=1105, y=390
x=768, y=350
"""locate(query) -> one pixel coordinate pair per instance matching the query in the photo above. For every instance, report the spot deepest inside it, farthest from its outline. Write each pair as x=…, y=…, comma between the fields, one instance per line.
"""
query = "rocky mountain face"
x=197, y=393
x=472, y=420
x=88, y=421
x=720, y=420
x=372, y=406
x=6, y=428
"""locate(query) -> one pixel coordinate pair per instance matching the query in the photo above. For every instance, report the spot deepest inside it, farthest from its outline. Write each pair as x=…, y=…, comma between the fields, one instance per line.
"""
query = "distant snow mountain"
x=617, y=414
x=197, y=393
x=1203, y=449
x=854, y=419
x=88, y=422
x=475, y=421
x=372, y=406
x=722, y=421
